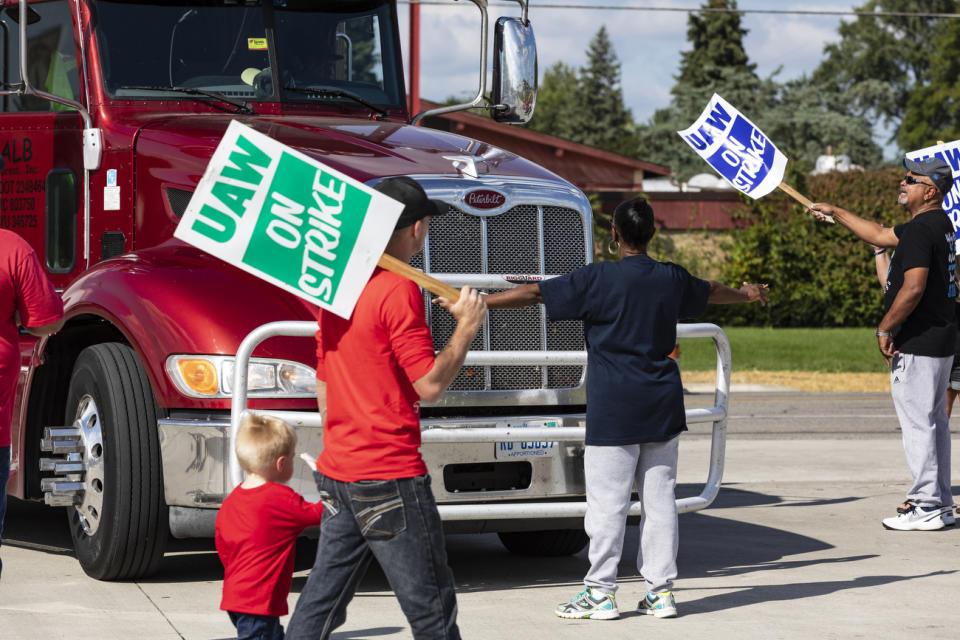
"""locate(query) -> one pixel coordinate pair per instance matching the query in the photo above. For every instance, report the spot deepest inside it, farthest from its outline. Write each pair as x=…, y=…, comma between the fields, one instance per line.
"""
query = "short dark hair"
x=633, y=220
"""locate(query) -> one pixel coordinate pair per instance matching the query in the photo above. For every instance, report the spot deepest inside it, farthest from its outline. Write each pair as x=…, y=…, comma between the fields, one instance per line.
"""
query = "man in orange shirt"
x=372, y=372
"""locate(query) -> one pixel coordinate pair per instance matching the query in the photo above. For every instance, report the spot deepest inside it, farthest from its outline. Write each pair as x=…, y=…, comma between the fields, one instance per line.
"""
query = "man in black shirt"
x=916, y=335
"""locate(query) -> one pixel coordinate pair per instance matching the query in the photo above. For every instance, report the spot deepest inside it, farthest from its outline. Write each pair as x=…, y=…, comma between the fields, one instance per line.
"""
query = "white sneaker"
x=916, y=518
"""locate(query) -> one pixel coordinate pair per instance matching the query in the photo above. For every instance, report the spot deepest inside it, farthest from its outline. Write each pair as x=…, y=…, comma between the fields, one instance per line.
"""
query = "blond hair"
x=261, y=440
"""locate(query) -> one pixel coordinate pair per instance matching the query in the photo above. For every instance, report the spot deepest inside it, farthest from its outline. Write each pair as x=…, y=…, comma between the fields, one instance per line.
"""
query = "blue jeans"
x=4, y=476
x=396, y=522
x=251, y=626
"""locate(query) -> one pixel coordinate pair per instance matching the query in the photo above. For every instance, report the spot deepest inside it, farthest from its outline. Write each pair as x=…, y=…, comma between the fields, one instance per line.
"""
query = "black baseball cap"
x=409, y=192
x=935, y=169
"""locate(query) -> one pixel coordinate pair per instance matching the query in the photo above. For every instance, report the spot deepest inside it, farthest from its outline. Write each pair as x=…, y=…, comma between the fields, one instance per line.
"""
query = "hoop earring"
x=613, y=249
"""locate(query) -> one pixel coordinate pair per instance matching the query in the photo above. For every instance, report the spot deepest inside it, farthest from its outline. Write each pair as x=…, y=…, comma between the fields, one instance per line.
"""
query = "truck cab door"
x=41, y=141
x=41, y=178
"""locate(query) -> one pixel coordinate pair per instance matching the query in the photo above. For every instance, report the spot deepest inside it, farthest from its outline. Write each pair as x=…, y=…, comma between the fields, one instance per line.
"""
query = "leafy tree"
x=806, y=119
x=557, y=109
x=880, y=60
x=366, y=64
x=463, y=98
x=819, y=274
x=803, y=117
x=932, y=111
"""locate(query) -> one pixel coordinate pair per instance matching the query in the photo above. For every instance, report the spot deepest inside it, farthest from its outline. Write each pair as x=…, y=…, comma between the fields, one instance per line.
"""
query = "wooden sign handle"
x=429, y=283
x=802, y=199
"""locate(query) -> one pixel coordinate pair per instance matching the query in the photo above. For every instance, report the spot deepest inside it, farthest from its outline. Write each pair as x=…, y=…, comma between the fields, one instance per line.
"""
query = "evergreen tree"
x=603, y=120
x=716, y=63
x=586, y=105
x=717, y=40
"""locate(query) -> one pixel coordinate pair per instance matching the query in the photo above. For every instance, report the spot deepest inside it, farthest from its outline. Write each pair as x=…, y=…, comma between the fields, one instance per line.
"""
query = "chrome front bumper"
x=196, y=465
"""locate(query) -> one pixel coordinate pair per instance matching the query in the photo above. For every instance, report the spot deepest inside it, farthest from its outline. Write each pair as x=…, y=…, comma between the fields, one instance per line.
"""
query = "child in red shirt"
x=257, y=529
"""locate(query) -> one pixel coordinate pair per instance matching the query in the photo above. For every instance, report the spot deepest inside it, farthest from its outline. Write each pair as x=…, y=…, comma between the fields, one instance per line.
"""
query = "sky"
x=648, y=43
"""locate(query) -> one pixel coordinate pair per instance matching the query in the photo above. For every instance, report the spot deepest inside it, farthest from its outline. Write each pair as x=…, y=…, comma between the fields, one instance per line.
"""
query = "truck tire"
x=120, y=530
x=551, y=543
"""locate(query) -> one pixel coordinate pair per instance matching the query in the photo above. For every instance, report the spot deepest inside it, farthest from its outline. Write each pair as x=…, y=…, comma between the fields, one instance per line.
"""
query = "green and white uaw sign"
x=289, y=219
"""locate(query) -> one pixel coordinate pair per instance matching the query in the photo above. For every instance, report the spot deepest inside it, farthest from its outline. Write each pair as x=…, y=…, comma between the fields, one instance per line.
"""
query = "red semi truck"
x=111, y=110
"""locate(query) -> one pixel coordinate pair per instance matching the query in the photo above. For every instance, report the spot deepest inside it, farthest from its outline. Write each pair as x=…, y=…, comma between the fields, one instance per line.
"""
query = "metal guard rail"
x=508, y=510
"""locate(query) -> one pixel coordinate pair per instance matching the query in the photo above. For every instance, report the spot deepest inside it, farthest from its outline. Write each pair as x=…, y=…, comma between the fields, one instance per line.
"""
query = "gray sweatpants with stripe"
x=919, y=388
x=611, y=472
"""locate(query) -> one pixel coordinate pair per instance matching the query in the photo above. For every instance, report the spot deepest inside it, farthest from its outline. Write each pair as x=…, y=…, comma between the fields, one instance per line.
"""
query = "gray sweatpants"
x=919, y=388
x=611, y=472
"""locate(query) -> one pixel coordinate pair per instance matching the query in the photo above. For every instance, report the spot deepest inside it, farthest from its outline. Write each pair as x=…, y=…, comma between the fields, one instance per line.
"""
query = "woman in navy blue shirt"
x=630, y=309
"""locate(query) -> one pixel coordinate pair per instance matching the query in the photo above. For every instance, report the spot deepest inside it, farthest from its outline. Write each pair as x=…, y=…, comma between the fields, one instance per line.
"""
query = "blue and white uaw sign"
x=736, y=148
x=949, y=153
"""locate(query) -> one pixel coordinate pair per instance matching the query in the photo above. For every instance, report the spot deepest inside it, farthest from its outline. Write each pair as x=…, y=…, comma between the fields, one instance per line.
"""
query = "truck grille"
x=518, y=241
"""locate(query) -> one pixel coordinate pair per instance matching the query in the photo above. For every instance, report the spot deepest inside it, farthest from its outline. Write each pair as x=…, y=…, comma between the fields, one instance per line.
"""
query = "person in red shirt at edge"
x=257, y=529
x=28, y=299
x=372, y=372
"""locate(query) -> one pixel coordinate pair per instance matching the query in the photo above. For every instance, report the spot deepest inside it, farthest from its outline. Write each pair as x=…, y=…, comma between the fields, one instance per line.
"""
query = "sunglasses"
x=911, y=180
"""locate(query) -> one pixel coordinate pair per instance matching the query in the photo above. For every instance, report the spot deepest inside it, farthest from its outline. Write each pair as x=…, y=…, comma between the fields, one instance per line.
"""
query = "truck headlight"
x=199, y=376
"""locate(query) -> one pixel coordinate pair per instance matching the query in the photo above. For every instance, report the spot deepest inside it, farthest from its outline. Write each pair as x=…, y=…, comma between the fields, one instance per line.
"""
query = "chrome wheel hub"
x=78, y=452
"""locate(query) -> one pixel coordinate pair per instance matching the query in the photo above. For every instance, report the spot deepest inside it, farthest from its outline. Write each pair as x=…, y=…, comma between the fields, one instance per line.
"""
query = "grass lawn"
x=824, y=350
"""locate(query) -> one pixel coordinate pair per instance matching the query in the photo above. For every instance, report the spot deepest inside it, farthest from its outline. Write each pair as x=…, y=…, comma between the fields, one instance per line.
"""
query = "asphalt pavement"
x=791, y=548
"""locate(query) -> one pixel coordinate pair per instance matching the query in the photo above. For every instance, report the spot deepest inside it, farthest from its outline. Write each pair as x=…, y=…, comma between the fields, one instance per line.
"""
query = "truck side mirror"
x=514, y=91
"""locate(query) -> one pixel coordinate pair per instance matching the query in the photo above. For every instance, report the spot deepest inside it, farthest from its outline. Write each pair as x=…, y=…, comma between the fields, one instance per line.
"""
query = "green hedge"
x=820, y=275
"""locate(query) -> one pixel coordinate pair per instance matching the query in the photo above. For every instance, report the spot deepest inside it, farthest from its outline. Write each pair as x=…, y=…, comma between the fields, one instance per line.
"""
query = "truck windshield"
x=319, y=51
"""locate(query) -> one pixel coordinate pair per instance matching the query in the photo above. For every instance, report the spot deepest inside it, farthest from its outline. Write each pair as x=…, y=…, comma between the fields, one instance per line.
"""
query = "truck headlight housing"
x=201, y=376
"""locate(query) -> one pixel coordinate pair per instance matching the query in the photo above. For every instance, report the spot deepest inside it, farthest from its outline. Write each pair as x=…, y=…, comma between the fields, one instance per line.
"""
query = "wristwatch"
x=883, y=334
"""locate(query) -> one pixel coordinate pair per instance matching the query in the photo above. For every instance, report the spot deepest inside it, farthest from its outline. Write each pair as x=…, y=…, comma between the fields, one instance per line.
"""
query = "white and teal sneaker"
x=589, y=604
x=660, y=605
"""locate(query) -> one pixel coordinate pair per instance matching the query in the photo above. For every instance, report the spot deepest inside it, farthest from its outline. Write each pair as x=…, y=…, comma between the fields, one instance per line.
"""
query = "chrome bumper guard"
x=204, y=450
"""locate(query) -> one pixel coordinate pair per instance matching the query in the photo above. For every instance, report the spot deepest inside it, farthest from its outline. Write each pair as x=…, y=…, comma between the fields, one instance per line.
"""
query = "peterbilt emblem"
x=484, y=199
